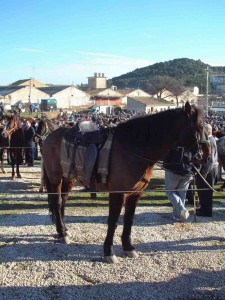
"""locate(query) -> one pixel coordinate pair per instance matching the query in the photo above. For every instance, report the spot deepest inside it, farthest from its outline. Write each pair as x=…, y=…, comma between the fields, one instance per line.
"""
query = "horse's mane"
x=152, y=127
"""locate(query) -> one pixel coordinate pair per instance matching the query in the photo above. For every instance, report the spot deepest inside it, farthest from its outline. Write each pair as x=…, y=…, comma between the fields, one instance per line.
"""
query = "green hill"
x=192, y=72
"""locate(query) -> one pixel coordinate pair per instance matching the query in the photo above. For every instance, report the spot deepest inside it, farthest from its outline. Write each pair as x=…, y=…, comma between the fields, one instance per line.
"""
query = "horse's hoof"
x=68, y=233
x=13, y=177
x=66, y=240
x=131, y=254
x=111, y=259
x=3, y=171
x=40, y=190
x=19, y=176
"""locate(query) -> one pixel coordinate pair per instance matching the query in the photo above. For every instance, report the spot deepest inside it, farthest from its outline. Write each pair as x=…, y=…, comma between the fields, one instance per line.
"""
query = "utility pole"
x=207, y=91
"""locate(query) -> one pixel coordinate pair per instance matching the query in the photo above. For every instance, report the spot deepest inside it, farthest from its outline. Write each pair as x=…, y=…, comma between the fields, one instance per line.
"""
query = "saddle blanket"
x=78, y=161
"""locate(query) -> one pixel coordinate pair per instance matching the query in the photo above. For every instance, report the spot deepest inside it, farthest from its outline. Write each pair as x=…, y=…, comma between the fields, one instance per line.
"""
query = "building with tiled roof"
x=148, y=104
x=28, y=82
x=26, y=92
x=12, y=94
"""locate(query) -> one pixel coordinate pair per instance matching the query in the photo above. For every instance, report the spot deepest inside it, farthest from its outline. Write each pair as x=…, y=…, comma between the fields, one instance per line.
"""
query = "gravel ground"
x=176, y=261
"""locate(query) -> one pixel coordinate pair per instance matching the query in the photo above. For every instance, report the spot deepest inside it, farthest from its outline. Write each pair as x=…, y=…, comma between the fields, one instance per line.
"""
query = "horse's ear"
x=188, y=108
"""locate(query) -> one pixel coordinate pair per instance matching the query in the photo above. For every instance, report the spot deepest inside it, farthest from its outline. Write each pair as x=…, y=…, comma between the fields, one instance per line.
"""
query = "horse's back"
x=55, y=136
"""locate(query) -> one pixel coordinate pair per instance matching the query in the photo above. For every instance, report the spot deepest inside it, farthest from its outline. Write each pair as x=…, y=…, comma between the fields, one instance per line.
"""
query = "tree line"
x=170, y=74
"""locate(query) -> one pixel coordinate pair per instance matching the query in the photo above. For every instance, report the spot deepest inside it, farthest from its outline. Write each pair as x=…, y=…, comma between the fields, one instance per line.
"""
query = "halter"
x=9, y=132
x=201, y=139
x=44, y=136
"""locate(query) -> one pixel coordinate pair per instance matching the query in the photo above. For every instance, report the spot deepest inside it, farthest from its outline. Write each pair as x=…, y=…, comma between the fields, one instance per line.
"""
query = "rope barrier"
x=159, y=164
x=101, y=192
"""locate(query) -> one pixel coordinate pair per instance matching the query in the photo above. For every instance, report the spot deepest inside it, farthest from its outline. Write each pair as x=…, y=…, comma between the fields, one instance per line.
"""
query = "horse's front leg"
x=18, y=161
x=13, y=168
x=130, y=206
x=2, y=167
x=115, y=206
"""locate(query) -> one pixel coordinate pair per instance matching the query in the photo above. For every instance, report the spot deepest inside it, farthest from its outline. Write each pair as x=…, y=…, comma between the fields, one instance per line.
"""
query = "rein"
x=43, y=136
x=9, y=132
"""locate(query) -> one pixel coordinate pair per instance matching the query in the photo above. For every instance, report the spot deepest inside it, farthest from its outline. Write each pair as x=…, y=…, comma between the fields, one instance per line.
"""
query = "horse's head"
x=194, y=136
x=42, y=130
x=12, y=124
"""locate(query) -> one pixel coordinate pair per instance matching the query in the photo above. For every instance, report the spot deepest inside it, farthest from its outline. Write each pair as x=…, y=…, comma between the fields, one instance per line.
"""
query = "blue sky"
x=65, y=41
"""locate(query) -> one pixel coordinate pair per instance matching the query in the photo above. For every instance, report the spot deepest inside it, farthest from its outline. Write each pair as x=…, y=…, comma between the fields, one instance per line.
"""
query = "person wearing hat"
x=29, y=134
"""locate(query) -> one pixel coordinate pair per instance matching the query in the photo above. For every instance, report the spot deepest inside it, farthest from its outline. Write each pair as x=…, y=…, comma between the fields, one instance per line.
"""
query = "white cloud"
x=30, y=50
x=78, y=72
x=76, y=68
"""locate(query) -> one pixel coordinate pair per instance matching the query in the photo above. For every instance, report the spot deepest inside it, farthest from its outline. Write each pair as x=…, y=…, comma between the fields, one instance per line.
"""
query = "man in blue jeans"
x=178, y=175
x=176, y=188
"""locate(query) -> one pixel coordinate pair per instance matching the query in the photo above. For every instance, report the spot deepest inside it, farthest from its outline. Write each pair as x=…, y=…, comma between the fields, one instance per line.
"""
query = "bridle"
x=201, y=138
x=43, y=136
x=8, y=132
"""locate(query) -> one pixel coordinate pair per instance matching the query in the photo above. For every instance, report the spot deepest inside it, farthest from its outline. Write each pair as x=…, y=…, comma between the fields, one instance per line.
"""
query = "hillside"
x=192, y=72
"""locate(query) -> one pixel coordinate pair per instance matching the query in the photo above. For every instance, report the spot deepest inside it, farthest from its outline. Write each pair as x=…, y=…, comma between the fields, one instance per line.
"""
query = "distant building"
x=67, y=96
x=218, y=83
x=98, y=81
x=132, y=93
x=182, y=98
x=148, y=104
x=32, y=91
x=106, y=97
x=28, y=82
x=12, y=94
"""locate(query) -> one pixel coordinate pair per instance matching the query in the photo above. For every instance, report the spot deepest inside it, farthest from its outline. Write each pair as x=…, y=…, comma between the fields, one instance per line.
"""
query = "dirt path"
x=175, y=261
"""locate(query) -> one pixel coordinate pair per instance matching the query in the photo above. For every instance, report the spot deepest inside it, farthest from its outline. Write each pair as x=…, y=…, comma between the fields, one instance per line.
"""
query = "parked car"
x=48, y=104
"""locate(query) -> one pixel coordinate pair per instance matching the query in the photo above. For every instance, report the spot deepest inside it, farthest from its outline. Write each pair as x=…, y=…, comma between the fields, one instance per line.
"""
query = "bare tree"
x=157, y=85
x=176, y=87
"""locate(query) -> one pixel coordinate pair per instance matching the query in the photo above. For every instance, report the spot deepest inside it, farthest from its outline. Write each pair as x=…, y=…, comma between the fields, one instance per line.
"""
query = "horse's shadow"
x=23, y=248
x=200, y=283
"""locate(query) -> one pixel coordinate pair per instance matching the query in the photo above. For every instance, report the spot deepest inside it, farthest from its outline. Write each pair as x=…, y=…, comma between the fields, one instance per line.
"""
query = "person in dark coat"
x=209, y=172
x=29, y=133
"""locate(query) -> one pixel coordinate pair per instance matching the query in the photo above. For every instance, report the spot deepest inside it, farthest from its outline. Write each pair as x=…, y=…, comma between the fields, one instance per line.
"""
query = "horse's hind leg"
x=55, y=205
x=130, y=206
x=115, y=206
x=67, y=185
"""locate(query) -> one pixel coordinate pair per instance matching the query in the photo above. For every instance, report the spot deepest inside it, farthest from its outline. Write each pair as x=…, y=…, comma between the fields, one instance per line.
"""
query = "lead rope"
x=196, y=199
x=211, y=188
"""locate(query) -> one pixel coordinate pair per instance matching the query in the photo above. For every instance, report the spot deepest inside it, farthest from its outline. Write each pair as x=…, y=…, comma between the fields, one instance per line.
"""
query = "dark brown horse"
x=14, y=132
x=44, y=128
x=137, y=146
